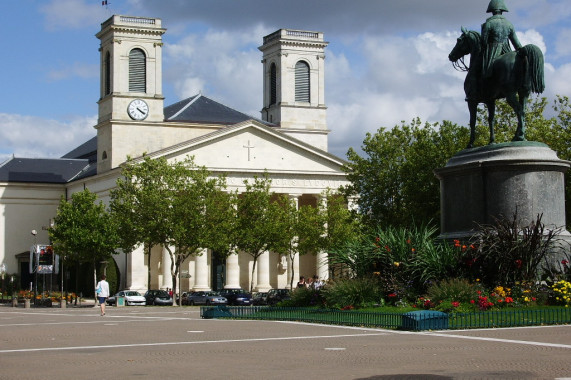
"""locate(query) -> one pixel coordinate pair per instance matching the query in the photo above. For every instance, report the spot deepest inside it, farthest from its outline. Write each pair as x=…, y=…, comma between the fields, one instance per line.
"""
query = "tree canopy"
x=393, y=177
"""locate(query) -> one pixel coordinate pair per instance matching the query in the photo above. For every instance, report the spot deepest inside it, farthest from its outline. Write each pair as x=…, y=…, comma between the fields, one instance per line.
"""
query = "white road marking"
x=182, y=343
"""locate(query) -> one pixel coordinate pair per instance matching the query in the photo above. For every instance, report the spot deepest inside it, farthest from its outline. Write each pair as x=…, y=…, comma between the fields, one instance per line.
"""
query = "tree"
x=256, y=228
x=140, y=205
x=173, y=205
x=394, y=180
x=83, y=231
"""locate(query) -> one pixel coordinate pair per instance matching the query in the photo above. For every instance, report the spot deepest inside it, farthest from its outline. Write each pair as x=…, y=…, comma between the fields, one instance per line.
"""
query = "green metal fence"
x=420, y=320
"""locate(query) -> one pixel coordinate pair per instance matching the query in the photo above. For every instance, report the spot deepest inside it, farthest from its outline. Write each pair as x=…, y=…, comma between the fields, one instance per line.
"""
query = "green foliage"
x=358, y=293
x=83, y=230
x=176, y=205
x=305, y=297
x=405, y=260
x=453, y=289
x=256, y=229
x=394, y=179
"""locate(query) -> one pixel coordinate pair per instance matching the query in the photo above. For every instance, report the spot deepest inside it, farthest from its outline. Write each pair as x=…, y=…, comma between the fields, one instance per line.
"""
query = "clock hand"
x=141, y=111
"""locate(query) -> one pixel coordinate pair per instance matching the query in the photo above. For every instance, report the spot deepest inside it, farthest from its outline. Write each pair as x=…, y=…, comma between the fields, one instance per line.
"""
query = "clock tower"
x=131, y=101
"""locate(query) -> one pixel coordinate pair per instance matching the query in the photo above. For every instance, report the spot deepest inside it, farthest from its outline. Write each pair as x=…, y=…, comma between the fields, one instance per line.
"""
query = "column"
x=321, y=259
x=263, y=270
x=232, y=272
x=201, y=271
x=136, y=269
x=293, y=264
x=166, y=269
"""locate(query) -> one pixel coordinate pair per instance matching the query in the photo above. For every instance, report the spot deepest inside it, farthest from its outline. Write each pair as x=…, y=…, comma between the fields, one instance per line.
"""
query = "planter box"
x=216, y=312
x=425, y=320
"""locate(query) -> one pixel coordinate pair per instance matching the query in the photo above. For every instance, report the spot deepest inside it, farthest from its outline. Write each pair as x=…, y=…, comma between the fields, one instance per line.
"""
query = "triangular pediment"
x=252, y=146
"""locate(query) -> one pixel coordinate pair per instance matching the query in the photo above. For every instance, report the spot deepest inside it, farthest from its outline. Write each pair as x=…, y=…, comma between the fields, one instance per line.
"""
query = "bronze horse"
x=515, y=75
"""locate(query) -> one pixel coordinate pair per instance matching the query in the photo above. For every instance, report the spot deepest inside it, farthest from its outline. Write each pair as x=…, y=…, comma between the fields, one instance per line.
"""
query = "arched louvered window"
x=273, y=84
x=107, y=74
x=301, y=82
x=137, y=71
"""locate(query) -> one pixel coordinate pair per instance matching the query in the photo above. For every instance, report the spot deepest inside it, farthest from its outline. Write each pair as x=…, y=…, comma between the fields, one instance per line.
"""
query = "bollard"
x=26, y=303
x=63, y=304
x=14, y=302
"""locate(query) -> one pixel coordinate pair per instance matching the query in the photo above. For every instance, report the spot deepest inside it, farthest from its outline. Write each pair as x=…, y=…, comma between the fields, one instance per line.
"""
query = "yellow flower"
x=396, y=263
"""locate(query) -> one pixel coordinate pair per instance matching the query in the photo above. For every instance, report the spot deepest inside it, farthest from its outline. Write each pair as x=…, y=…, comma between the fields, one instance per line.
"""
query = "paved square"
x=170, y=342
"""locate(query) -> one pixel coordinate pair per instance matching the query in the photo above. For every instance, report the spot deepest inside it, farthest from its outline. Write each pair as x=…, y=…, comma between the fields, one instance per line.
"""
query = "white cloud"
x=562, y=43
x=532, y=37
x=30, y=136
x=73, y=14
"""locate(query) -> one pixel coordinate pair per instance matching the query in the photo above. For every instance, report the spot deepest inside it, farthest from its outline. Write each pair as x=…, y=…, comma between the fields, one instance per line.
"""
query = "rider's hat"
x=497, y=5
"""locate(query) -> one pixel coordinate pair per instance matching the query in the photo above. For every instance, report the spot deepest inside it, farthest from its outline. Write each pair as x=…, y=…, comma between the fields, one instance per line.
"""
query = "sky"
x=387, y=61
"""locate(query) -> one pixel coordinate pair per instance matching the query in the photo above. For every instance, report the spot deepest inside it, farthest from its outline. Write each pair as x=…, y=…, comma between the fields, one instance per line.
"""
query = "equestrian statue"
x=495, y=71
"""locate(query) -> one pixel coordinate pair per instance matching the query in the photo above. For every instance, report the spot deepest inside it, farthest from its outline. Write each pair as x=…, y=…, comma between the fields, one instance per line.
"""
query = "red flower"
x=509, y=300
x=479, y=292
x=392, y=295
x=518, y=263
x=564, y=262
x=456, y=243
x=472, y=302
x=387, y=248
x=455, y=303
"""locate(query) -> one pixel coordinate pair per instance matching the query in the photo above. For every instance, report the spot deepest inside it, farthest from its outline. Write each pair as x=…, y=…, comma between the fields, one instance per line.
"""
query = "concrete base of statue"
x=524, y=178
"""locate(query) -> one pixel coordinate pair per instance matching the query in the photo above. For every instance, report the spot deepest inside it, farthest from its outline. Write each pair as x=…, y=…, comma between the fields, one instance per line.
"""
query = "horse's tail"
x=535, y=69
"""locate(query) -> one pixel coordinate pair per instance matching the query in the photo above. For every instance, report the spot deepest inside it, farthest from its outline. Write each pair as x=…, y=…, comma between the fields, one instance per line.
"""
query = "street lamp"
x=3, y=272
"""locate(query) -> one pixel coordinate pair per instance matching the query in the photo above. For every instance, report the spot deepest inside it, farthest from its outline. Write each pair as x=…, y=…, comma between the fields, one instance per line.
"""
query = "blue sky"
x=386, y=61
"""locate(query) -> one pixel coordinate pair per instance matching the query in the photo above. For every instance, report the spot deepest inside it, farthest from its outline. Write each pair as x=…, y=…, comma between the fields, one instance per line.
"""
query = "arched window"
x=301, y=82
x=273, y=84
x=107, y=74
x=137, y=71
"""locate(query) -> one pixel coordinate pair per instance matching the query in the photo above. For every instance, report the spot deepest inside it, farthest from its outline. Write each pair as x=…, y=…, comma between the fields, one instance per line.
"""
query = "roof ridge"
x=196, y=97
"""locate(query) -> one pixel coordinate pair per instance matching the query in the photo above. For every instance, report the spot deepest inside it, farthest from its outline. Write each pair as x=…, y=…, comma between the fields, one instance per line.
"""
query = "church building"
x=289, y=141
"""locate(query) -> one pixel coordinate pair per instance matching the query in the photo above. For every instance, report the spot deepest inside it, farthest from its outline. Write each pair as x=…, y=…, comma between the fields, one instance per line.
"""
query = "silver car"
x=204, y=298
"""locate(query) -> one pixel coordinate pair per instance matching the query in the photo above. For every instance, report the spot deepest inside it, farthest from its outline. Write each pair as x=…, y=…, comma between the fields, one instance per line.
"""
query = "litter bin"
x=215, y=312
x=120, y=301
x=425, y=320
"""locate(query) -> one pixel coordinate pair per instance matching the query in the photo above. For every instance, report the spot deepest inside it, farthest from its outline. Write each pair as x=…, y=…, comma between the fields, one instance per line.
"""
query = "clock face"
x=138, y=109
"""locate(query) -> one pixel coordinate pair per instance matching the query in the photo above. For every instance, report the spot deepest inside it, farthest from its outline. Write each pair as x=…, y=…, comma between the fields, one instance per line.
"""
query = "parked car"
x=278, y=295
x=238, y=297
x=260, y=298
x=132, y=297
x=158, y=297
x=204, y=298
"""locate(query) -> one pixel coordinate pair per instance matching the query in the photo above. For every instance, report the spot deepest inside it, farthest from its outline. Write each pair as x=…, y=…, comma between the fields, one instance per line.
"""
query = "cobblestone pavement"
x=174, y=343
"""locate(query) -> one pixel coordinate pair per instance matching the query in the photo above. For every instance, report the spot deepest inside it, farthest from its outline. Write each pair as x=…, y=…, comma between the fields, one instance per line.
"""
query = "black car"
x=158, y=297
x=237, y=297
x=278, y=295
x=260, y=298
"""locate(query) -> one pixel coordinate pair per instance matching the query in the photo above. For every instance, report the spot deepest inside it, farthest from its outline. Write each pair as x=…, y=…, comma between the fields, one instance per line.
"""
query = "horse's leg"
x=473, y=108
x=491, y=118
x=518, y=108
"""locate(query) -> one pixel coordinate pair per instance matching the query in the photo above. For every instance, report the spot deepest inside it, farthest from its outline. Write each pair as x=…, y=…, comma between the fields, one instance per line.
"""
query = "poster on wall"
x=43, y=260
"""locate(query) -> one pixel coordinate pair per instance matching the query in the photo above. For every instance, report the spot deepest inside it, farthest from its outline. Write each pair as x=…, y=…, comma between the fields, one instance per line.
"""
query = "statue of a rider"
x=497, y=32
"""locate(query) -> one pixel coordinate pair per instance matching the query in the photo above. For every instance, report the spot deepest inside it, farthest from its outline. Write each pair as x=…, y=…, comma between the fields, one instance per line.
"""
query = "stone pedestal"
x=479, y=184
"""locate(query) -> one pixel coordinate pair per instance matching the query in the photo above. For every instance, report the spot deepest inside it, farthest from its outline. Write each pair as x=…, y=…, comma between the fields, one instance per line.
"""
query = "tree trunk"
x=149, y=266
x=253, y=271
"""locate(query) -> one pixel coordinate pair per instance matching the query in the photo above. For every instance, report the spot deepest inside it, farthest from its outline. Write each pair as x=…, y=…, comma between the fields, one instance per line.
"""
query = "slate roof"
x=201, y=109
x=41, y=170
x=81, y=162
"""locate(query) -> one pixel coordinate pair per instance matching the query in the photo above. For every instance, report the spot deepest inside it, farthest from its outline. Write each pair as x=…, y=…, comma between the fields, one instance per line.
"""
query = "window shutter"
x=137, y=71
x=301, y=82
x=107, y=73
x=273, y=84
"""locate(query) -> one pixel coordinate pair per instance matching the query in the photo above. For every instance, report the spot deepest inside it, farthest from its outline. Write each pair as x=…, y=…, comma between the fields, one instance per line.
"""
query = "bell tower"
x=294, y=84
x=130, y=86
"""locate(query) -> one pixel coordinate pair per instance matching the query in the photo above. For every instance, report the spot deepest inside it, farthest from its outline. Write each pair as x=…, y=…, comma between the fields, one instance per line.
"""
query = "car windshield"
x=132, y=294
x=161, y=293
x=212, y=294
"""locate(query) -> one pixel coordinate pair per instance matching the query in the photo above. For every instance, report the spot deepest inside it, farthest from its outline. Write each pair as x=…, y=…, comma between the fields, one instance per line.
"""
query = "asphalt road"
x=174, y=343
